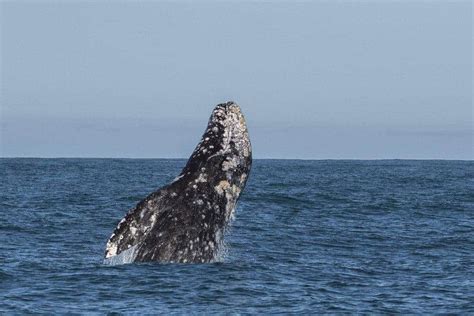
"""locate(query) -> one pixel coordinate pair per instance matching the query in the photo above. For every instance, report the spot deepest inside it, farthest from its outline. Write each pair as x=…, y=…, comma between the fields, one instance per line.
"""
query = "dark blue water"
x=309, y=236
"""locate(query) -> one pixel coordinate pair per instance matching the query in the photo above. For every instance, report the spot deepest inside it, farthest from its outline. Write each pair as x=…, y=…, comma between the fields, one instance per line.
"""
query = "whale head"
x=225, y=143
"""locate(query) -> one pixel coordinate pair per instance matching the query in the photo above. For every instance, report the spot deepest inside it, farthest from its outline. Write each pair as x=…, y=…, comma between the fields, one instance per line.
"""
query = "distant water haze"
x=319, y=80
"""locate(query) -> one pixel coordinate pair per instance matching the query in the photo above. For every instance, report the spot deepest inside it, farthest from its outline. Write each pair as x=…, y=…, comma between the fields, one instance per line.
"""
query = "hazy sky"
x=315, y=80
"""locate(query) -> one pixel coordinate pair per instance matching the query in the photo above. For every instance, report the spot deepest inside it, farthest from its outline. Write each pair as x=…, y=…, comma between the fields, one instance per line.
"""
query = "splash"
x=222, y=247
x=127, y=256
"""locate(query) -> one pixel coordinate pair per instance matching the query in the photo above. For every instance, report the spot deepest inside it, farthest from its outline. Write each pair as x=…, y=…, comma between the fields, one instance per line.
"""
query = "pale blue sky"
x=315, y=79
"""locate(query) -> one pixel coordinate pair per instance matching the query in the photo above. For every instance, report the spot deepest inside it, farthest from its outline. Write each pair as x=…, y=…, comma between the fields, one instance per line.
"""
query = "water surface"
x=309, y=236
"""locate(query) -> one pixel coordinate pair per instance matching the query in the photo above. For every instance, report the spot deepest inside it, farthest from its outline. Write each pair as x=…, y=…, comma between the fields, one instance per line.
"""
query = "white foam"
x=127, y=256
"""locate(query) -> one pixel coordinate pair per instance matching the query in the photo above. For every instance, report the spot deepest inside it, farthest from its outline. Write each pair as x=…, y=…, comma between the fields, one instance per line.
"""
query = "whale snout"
x=228, y=129
x=229, y=112
x=222, y=110
x=227, y=105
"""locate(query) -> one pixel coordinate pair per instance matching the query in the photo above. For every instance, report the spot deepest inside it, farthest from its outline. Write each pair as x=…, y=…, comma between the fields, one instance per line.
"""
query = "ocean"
x=322, y=236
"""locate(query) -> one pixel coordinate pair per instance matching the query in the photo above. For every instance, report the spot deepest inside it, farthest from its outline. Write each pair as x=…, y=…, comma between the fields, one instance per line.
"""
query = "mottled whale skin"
x=185, y=221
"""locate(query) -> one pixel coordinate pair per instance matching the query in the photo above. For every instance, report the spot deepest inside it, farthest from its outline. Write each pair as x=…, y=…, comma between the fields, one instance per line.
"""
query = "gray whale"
x=185, y=220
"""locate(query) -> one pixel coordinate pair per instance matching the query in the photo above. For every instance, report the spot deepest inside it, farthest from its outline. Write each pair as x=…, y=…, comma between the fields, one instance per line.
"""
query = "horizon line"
x=260, y=158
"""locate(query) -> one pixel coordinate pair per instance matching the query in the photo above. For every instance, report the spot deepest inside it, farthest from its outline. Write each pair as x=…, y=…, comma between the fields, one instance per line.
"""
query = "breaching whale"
x=185, y=220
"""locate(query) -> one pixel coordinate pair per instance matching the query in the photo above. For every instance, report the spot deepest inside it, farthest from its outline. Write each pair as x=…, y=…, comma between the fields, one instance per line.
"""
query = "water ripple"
x=309, y=237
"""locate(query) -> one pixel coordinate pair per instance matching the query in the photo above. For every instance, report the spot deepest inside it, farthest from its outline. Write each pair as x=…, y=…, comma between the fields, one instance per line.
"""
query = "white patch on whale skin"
x=126, y=256
x=177, y=178
x=202, y=178
x=152, y=220
x=111, y=250
x=229, y=164
x=232, y=192
x=243, y=177
x=222, y=187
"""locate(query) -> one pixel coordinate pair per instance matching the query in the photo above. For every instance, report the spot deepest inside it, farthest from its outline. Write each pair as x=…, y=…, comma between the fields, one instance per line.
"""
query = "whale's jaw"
x=185, y=220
